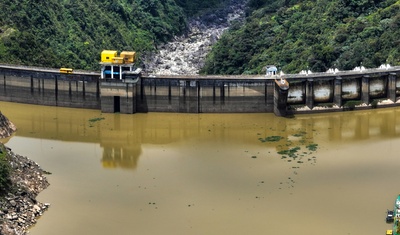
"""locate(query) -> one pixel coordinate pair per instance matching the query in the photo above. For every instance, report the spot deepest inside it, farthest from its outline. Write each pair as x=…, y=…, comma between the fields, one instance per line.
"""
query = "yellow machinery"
x=129, y=56
x=110, y=56
x=107, y=56
x=117, y=60
x=66, y=70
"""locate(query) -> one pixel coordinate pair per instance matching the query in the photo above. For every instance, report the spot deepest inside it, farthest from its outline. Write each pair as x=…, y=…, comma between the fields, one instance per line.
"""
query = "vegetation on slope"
x=193, y=7
x=315, y=35
x=292, y=34
x=5, y=169
x=73, y=33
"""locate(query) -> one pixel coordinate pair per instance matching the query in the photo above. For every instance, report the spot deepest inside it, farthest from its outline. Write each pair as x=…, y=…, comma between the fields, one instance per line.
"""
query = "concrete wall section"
x=351, y=88
x=297, y=92
x=21, y=94
x=78, y=94
x=49, y=88
x=316, y=91
x=236, y=96
x=158, y=95
x=397, y=82
x=204, y=95
x=118, y=97
x=324, y=91
x=378, y=87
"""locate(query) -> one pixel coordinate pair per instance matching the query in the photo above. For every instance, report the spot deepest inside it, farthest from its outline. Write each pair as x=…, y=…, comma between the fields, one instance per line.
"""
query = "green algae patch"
x=290, y=152
x=312, y=147
x=96, y=119
x=93, y=120
x=300, y=134
x=274, y=138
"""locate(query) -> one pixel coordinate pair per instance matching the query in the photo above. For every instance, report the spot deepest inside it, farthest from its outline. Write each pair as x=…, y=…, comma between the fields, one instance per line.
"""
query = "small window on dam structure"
x=117, y=104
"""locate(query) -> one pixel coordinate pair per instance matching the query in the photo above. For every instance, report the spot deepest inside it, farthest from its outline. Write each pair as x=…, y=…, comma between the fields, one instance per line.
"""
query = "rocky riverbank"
x=7, y=128
x=19, y=207
x=186, y=54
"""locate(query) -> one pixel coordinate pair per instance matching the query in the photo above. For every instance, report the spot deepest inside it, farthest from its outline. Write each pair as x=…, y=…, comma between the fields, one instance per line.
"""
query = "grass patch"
x=352, y=104
x=374, y=103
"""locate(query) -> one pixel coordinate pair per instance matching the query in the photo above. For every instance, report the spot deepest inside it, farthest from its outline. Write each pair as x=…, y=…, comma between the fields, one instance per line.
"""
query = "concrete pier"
x=365, y=89
x=310, y=93
x=338, y=92
x=117, y=97
x=280, y=97
x=392, y=87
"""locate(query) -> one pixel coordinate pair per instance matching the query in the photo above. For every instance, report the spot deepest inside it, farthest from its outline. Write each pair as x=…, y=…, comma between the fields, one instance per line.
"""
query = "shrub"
x=351, y=104
x=5, y=169
x=374, y=104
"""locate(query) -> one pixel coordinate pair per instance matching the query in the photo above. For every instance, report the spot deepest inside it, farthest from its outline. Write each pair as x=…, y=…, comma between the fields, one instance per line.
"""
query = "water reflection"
x=216, y=173
x=124, y=157
x=121, y=136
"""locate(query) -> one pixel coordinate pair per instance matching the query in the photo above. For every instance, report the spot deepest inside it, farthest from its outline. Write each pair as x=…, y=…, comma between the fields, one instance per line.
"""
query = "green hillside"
x=73, y=33
x=318, y=35
x=292, y=34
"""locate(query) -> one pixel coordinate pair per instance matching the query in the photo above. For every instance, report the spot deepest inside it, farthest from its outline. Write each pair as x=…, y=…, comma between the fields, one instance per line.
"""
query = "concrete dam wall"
x=200, y=94
x=49, y=88
x=186, y=94
x=322, y=90
x=189, y=95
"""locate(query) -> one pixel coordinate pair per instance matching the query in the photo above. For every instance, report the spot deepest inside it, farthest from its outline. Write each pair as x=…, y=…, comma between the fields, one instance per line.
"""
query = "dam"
x=141, y=93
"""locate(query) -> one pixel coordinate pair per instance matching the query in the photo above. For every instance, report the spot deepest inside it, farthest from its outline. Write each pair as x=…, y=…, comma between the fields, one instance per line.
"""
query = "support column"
x=365, y=89
x=392, y=87
x=281, y=92
x=310, y=93
x=56, y=89
x=120, y=72
x=337, y=91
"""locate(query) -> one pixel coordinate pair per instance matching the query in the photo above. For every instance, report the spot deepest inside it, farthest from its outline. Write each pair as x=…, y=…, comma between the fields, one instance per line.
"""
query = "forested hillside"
x=313, y=34
x=73, y=33
x=292, y=34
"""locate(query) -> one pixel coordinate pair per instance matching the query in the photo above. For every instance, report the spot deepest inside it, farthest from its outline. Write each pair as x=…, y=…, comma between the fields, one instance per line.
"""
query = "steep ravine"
x=186, y=54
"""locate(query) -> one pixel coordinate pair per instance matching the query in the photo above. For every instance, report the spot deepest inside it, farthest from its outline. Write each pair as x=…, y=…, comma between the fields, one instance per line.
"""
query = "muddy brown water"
x=165, y=173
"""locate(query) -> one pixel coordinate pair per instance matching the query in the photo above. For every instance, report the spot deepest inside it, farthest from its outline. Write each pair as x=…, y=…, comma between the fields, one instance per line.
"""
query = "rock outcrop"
x=7, y=128
x=186, y=54
x=19, y=207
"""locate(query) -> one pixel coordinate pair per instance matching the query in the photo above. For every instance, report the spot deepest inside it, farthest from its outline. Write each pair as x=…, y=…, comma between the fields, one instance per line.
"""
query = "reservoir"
x=169, y=173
